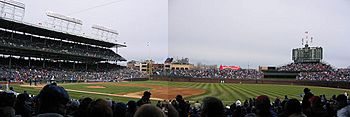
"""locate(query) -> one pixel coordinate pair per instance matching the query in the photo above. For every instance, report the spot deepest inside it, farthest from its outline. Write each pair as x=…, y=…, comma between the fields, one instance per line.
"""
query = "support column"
x=74, y=66
x=86, y=66
x=10, y=61
x=28, y=61
x=97, y=66
x=44, y=63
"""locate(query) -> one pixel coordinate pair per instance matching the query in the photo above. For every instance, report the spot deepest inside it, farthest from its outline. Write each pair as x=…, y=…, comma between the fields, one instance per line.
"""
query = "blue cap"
x=54, y=90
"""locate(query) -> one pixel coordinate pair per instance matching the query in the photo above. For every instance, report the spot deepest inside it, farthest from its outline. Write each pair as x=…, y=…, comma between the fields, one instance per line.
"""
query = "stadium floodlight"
x=63, y=23
x=12, y=10
x=307, y=39
x=104, y=33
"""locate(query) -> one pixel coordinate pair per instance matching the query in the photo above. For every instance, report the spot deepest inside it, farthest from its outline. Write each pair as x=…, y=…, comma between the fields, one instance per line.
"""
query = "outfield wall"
x=334, y=84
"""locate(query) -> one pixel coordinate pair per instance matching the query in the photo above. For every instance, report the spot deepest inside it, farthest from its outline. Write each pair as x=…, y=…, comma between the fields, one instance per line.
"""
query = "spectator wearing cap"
x=342, y=107
x=145, y=99
x=306, y=103
x=52, y=101
x=181, y=106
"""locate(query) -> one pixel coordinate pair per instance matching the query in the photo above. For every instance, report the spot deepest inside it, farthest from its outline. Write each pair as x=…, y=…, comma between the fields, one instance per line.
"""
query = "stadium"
x=57, y=62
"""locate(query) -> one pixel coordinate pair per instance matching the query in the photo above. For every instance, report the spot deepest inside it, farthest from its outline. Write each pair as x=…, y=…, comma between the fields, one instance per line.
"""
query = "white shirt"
x=238, y=103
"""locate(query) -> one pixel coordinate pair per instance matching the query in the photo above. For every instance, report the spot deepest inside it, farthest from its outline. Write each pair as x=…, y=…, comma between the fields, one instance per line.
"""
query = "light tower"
x=306, y=39
x=13, y=10
x=101, y=32
x=63, y=23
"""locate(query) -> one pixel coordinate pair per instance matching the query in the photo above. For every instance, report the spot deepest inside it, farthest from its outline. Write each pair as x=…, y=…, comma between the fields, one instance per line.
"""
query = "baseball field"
x=192, y=91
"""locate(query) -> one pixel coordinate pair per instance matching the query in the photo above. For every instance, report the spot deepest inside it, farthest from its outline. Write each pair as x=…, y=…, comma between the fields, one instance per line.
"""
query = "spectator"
x=52, y=101
x=342, y=107
x=317, y=109
x=131, y=109
x=6, y=104
x=197, y=105
x=100, y=108
x=306, y=103
x=292, y=109
x=159, y=104
x=21, y=107
x=119, y=109
x=181, y=106
x=145, y=99
x=212, y=107
x=263, y=107
x=148, y=110
x=238, y=103
x=83, y=108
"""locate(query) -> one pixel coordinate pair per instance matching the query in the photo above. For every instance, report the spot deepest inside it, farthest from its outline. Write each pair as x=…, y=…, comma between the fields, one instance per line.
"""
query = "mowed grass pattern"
x=226, y=92
x=109, y=88
x=230, y=92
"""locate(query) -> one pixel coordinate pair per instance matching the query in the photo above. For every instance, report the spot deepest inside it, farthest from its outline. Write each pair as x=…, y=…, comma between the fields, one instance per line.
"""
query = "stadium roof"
x=31, y=52
x=42, y=31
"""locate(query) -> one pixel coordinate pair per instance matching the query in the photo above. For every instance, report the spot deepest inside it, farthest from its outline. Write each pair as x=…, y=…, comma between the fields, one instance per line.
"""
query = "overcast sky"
x=229, y=32
x=137, y=21
x=257, y=32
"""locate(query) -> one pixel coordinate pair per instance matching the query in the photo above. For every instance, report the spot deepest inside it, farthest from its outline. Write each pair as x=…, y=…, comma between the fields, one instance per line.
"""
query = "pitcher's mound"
x=162, y=92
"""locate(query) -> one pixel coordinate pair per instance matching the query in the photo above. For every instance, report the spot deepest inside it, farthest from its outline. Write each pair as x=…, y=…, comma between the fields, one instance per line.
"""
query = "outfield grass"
x=226, y=92
x=82, y=87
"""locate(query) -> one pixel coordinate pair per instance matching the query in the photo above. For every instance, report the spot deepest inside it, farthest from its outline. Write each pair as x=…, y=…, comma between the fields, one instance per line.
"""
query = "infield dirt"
x=162, y=92
x=158, y=92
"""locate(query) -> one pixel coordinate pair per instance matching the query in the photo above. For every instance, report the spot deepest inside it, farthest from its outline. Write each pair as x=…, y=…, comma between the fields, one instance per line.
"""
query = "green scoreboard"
x=307, y=54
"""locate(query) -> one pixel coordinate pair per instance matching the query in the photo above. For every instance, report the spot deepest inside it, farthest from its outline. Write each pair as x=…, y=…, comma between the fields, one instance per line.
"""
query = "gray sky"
x=257, y=32
x=137, y=21
x=230, y=32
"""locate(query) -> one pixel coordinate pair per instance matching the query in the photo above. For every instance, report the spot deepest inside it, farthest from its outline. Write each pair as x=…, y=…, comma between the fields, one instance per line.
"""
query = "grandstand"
x=30, y=46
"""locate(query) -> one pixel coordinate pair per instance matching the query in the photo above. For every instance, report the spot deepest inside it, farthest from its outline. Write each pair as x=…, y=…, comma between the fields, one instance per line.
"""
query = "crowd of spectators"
x=213, y=73
x=332, y=75
x=317, y=71
x=56, y=46
x=54, y=101
x=305, y=67
x=46, y=74
x=23, y=74
x=21, y=71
